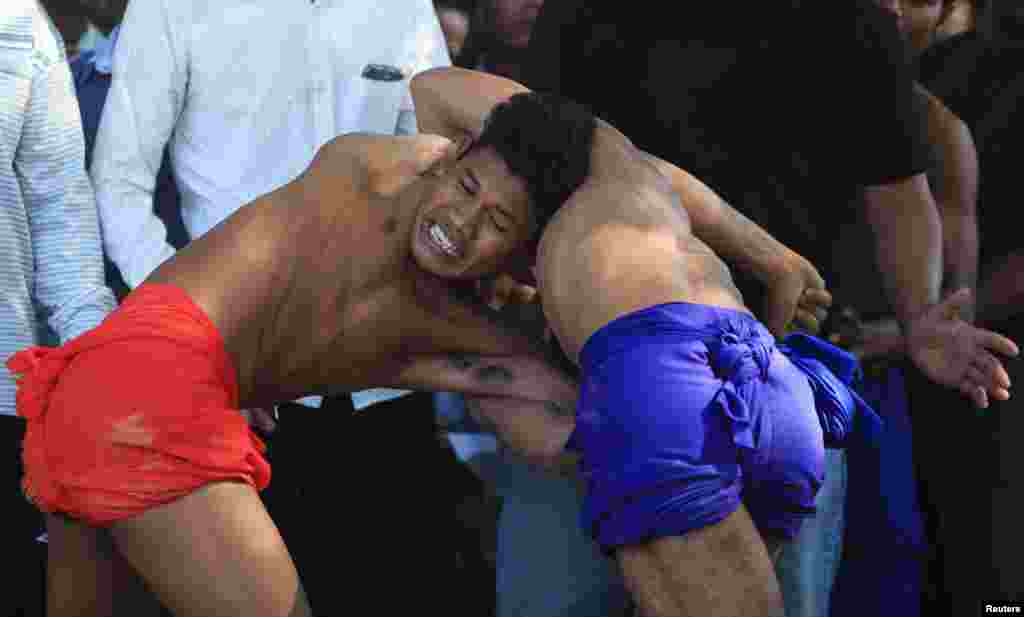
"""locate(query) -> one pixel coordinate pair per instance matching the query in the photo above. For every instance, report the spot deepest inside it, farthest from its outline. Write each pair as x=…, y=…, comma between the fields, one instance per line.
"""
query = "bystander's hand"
x=261, y=420
x=956, y=354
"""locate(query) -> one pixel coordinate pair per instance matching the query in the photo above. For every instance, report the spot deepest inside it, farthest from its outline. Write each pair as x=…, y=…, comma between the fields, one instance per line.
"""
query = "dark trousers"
x=1007, y=507
x=957, y=467
x=24, y=558
x=365, y=502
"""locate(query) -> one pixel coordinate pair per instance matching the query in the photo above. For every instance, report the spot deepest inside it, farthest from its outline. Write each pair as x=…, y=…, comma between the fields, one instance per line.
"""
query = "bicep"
x=454, y=102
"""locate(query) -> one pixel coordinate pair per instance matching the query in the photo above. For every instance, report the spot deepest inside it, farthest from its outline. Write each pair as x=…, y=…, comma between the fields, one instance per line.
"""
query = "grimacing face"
x=473, y=219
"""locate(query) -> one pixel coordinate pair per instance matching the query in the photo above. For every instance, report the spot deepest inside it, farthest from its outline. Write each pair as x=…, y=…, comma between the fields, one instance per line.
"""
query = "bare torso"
x=620, y=244
x=312, y=286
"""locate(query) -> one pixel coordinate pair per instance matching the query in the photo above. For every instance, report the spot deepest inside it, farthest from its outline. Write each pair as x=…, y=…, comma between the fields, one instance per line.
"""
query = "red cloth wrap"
x=134, y=414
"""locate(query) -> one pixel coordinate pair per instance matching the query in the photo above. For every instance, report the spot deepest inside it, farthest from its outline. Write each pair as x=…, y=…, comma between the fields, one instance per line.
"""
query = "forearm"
x=454, y=102
x=50, y=161
x=960, y=248
x=1001, y=295
x=525, y=401
x=145, y=100
x=956, y=198
x=730, y=234
x=908, y=243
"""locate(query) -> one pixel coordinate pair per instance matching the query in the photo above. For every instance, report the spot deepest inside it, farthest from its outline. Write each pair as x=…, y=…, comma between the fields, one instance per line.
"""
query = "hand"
x=501, y=290
x=260, y=419
x=796, y=298
x=952, y=352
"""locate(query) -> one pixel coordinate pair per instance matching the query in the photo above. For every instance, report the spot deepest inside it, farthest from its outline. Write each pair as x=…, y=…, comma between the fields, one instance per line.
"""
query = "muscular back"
x=620, y=244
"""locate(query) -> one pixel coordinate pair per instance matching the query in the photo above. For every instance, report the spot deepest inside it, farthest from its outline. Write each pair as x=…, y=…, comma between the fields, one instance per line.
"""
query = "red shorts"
x=134, y=414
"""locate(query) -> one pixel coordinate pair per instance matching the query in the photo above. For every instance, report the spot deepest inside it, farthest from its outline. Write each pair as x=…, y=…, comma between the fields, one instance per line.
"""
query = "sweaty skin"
x=624, y=242
x=330, y=283
x=314, y=289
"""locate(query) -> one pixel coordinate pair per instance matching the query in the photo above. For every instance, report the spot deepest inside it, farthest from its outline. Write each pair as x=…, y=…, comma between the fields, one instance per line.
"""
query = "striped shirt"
x=51, y=265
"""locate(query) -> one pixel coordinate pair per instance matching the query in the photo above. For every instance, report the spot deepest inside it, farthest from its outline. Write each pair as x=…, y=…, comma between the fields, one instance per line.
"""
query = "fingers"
x=501, y=290
x=986, y=379
x=816, y=297
x=807, y=320
x=260, y=419
x=511, y=290
x=992, y=370
x=431, y=152
x=780, y=310
x=997, y=343
x=975, y=392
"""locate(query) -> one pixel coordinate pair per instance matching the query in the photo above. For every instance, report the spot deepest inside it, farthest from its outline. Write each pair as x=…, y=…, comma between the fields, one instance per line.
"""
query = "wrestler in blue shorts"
x=687, y=410
x=702, y=440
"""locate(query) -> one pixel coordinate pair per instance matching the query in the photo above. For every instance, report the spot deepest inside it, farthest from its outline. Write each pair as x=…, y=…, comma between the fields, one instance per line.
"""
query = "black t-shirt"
x=737, y=96
x=981, y=81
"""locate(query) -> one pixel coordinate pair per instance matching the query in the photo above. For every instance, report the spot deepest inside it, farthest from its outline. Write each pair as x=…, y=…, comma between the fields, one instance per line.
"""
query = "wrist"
x=770, y=267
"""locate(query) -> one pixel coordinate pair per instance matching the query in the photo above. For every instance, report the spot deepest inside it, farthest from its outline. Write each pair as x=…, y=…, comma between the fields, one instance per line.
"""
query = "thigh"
x=215, y=552
x=719, y=570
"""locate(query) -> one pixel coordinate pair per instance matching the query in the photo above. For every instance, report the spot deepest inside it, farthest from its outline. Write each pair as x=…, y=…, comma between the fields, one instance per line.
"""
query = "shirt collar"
x=103, y=59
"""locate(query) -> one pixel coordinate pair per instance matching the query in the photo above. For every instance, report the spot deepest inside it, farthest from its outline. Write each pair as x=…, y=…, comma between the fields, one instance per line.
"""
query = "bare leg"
x=78, y=573
x=722, y=570
x=87, y=576
x=215, y=553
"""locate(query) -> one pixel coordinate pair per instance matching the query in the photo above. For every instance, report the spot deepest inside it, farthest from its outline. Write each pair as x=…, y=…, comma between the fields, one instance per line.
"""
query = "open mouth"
x=441, y=241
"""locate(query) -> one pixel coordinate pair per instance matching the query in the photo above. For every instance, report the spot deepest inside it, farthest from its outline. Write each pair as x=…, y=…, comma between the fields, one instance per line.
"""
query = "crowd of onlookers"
x=851, y=130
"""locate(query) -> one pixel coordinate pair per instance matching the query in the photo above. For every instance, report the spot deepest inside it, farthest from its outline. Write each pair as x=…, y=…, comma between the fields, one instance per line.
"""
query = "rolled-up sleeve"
x=146, y=96
x=67, y=250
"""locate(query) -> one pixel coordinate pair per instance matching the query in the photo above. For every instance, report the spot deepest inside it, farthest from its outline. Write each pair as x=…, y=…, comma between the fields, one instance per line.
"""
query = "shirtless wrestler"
x=336, y=281
x=700, y=438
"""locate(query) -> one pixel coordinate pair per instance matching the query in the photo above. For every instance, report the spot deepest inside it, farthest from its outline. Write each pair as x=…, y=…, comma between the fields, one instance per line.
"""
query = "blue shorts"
x=685, y=411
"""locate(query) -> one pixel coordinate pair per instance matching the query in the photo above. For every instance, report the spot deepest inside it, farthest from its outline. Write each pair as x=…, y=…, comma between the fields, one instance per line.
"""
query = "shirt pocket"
x=373, y=98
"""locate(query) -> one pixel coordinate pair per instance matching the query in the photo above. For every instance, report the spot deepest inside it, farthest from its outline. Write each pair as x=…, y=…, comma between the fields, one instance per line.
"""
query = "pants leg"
x=364, y=493
x=547, y=565
x=884, y=545
x=807, y=566
x=1007, y=506
x=24, y=557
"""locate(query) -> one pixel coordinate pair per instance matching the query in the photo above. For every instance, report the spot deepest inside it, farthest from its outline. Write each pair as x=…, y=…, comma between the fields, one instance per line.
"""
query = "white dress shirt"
x=51, y=261
x=245, y=92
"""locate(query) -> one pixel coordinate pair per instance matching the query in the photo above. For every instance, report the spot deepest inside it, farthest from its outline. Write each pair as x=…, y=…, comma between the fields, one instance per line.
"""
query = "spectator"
x=52, y=274
x=91, y=72
x=976, y=72
x=243, y=94
x=885, y=545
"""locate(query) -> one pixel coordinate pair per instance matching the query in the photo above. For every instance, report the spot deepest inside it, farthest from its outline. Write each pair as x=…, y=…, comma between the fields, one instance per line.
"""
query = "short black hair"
x=545, y=139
